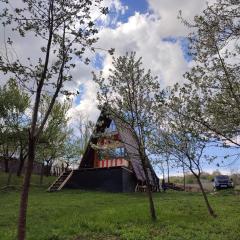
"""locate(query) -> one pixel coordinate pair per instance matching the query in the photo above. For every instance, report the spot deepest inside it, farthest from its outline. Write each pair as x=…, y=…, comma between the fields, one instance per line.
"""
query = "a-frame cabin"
x=110, y=162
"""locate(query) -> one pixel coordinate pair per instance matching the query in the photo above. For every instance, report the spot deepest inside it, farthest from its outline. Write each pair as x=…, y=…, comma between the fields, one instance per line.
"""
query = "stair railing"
x=49, y=189
x=65, y=181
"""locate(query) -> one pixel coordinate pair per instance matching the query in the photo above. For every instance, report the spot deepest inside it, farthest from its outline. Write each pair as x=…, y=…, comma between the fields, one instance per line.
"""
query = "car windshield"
x=222, y=177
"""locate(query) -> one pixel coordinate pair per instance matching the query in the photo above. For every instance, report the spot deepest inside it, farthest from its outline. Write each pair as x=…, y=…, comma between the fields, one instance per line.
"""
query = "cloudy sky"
x=149, y=27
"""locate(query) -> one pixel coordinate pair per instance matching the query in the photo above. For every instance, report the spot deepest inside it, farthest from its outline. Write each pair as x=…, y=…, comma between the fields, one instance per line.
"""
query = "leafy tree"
x=72, y=151
x=54, y=135
x=213, y=86
x=178, y=135
x=66, y=30
x=128, y=95
x=13, y=122
x=77, y=141
x=85, y=128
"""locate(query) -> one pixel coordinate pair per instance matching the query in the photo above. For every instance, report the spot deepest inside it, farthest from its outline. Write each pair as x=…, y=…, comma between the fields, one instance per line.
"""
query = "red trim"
x=111, y=162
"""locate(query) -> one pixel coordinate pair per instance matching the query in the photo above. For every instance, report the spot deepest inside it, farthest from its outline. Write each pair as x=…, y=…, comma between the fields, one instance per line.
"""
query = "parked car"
x=222, y=182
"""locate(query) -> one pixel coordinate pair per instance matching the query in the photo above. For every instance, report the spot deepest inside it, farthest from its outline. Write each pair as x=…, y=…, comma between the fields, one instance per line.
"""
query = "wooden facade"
x=111, y=161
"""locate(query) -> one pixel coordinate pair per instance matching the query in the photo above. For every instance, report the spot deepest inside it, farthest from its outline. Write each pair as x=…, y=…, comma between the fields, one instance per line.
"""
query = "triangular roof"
x=129, y=143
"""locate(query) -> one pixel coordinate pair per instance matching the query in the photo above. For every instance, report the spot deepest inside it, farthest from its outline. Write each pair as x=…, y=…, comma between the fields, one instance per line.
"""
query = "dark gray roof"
x=131, y=146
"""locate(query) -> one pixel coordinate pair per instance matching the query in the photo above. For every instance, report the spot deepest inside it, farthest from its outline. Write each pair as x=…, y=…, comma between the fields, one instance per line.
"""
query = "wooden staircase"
x=60, y=181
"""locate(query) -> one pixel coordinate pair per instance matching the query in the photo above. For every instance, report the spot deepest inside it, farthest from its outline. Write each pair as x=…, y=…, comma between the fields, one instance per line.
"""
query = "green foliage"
x=12, y=99
x=213, y=87
x=55, y=132
x=13, y=118
x=129, y=95
x=191, y=179
x=179, y=136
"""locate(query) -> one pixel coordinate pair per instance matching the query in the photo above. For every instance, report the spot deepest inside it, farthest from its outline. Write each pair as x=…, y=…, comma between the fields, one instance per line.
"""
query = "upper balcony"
x=111, y=157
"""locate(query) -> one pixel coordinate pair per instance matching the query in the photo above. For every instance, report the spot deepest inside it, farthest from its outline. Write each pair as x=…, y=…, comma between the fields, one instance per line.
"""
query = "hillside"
x=80, y=215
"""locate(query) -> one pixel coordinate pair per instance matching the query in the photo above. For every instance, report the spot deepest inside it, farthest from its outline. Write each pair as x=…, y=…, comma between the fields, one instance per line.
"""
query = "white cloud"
x=143, y=33
x=168, y=10
x=88, y=104
x=115, y=7
x=165, y=59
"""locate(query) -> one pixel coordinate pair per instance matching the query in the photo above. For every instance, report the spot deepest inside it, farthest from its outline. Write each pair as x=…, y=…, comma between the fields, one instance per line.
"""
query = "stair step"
x=60, y=181
x=61, y=178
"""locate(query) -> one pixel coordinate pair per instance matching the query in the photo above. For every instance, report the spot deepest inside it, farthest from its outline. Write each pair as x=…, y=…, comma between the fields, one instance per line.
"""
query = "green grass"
x=79, y=215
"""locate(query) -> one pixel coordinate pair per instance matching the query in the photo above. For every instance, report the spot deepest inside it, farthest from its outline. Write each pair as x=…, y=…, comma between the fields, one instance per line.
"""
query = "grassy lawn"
x=17, y=181
x=79, y=215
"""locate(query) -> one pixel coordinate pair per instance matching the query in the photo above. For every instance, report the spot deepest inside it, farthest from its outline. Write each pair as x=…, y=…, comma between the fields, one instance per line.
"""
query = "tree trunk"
x=151, y=203
x=210, y=210
x=149, y=191
x=9, y=178
x=25, y=190
x=6, y=164
x=168, y=170
x=184, y=179
x=50, y=169
x=41, y=174
x=47, y=169
x=21, y=164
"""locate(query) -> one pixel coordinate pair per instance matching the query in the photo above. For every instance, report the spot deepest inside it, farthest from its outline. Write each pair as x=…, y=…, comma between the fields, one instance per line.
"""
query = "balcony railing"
x=113, y=163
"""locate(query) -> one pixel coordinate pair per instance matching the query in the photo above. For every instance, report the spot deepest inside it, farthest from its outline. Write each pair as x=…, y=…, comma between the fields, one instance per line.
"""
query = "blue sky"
x=134, y=6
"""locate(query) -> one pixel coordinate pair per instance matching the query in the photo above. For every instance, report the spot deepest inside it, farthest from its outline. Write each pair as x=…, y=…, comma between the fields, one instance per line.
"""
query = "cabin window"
x=112, y=153
x=120, y=152
x=112, y=127
x=117, y=153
